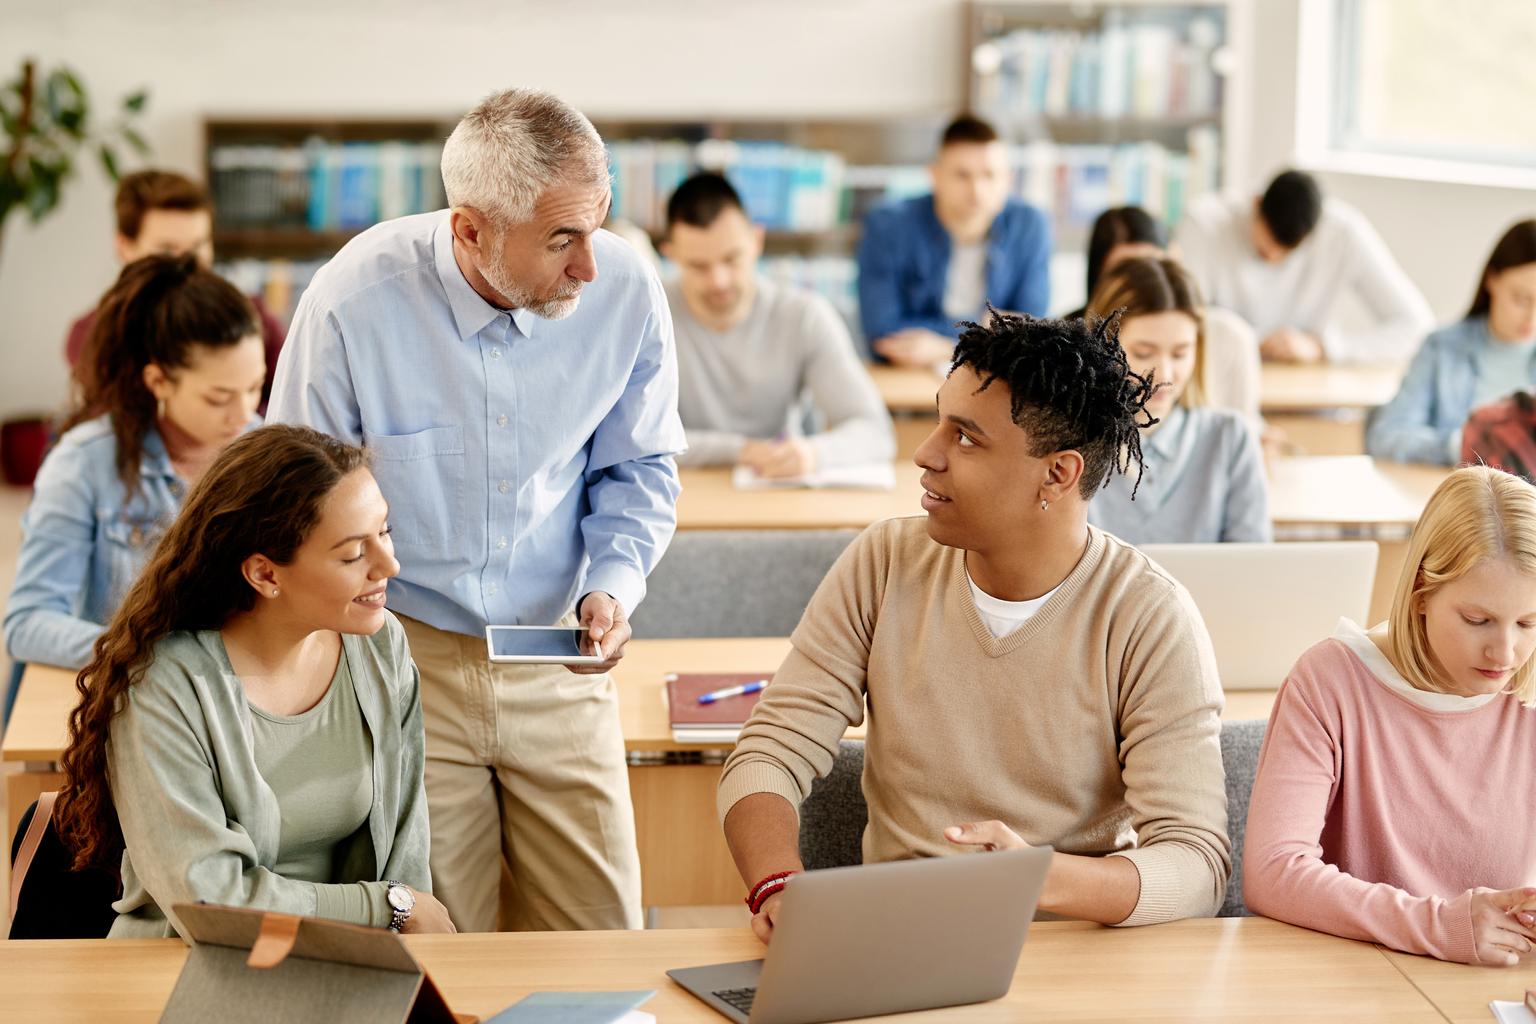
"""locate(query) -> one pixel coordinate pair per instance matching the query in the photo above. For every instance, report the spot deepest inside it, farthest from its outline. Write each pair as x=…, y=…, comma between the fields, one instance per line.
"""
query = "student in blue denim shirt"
x=172, y=372
x=1202, y=480
x=928, y=262
x=1485, y=356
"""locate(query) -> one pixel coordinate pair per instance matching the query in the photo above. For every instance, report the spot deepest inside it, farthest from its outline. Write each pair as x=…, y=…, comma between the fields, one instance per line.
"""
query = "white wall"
x=686, y=58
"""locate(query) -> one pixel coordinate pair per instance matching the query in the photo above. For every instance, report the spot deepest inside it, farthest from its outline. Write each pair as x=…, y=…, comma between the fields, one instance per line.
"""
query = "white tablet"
x=541, y=645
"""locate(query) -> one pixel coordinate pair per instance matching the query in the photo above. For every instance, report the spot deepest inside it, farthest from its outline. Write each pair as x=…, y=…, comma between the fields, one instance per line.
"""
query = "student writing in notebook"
x=249, y=730
x=1204, y=473
x=1389, y=802
x=1284, y=261
x=172, y=373
x=754, y=357
x=1025, y=674
x=1486, y=355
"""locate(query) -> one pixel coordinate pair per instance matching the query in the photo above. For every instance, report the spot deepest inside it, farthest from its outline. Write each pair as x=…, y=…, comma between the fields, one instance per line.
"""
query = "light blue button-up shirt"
x=1203, y=483
x=84, y=539
x=526, y=461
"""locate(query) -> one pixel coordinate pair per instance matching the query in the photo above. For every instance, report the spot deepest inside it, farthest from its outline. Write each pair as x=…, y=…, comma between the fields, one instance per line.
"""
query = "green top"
x=319, y=764
x=188, y=766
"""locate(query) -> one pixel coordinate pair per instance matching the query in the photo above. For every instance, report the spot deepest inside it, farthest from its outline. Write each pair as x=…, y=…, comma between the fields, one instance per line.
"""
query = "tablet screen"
x=553, y=642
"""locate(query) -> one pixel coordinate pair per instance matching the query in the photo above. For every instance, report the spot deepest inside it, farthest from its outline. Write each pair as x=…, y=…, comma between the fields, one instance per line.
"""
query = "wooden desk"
x=1293, y=389
x=683, y=857
x=1322, y=409
x=1206, y=970
x=709, y=502
x=1462, y=992
x=907, y=389
x=1326, y=495
x=1282, y=388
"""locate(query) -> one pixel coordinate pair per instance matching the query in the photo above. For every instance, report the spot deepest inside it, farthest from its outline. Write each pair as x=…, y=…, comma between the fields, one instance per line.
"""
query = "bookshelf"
x=1106, y=102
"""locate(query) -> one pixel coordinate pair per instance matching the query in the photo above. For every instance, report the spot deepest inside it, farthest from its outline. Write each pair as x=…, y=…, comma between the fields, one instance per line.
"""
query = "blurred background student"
x=1203, y=477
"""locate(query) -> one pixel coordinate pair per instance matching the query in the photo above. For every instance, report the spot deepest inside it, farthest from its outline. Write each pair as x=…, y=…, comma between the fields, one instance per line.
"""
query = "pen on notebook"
x=732, y=691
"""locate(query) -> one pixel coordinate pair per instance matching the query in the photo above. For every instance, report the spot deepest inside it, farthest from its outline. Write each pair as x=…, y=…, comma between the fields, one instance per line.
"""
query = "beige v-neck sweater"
x=1094, y=727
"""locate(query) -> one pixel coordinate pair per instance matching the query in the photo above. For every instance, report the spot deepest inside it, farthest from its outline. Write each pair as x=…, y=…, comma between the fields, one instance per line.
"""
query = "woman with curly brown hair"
x=249, y=728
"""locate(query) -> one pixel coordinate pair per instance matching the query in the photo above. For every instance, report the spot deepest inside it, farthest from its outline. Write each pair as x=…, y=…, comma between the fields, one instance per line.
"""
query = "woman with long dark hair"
x=249, y=728
x=172, y=372
x=1485, y=356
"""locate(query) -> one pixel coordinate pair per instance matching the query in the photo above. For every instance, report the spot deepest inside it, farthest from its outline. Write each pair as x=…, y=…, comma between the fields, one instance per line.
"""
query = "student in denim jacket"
x=1485, y=356
x=172, y=372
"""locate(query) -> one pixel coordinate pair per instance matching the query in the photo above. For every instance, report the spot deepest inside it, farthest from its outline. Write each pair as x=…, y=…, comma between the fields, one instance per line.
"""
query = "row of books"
x=1146, y=70
x=278, y=282
x=783, y=187
x=1077, y=183
x=324, y=186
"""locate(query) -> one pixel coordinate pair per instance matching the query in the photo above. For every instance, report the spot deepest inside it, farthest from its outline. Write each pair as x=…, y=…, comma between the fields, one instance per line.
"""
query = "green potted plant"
x=47, y=122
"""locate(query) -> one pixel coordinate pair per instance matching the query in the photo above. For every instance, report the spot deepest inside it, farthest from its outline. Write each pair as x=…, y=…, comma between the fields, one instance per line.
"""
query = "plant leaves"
x=135, y=102
x=136, y=140
x=109, y=161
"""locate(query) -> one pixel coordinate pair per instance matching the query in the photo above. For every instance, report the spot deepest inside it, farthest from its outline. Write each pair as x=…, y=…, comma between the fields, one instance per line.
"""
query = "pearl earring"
x=1044, y=504
x=274, y=591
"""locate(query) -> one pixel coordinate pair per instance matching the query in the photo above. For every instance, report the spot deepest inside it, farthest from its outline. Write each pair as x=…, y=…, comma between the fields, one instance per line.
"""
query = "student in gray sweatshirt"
x=755, y=357
x=249, y=731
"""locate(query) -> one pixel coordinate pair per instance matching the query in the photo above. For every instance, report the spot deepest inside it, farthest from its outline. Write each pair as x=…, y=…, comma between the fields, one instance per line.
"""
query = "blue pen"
x=732, y=691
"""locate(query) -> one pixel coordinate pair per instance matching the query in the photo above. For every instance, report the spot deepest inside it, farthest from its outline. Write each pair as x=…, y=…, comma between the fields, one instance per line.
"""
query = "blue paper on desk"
x=572, y=1008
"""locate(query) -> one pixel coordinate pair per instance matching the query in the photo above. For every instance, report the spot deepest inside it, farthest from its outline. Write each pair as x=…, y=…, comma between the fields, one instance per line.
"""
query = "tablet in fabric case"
x=254, y=967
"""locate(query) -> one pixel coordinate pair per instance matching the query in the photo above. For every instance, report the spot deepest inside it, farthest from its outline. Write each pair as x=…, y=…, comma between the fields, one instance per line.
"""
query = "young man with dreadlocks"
x=1027, y=678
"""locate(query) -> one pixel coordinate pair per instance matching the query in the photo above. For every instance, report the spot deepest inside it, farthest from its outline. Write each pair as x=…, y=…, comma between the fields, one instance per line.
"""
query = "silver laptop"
x=884, y=938
x=1264, y=604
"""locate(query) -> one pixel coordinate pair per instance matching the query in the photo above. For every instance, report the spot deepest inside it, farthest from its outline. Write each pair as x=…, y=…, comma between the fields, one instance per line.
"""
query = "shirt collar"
x=471, y=313
x=1164, y=441
x=154, y=460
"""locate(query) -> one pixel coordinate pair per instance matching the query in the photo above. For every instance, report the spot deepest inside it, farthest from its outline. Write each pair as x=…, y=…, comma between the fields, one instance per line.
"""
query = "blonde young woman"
x=1389, y=803
x=1204, y=478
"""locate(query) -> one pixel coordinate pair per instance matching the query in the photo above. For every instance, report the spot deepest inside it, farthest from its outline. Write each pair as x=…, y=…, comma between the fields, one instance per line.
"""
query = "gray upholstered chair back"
x=832, y=818
x=1240, y=743
x=736, y=582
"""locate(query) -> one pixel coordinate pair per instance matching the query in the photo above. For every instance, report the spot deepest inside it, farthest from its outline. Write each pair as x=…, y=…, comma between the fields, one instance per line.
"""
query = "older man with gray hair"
x=510, y=367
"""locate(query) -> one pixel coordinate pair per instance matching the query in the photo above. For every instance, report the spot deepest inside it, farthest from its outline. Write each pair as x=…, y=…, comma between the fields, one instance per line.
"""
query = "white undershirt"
x=1003, y=617
x=965, y=287
x=1359, y=641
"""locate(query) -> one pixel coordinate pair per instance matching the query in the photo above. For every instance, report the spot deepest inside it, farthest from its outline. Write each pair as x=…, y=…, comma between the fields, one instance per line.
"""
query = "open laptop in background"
x=1264, y=604
x=884, y=938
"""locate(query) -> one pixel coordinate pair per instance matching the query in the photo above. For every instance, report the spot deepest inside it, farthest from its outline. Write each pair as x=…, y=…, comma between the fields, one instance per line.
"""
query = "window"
x=1449, y=80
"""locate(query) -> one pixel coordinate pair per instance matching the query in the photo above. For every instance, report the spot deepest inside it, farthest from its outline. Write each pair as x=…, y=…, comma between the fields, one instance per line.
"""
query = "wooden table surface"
x=1304, y=491
x=1322, y=388
x=1462, y=992
x=1349, y=490
x=1205, y=970
x=1282, y=389
x=39, y=725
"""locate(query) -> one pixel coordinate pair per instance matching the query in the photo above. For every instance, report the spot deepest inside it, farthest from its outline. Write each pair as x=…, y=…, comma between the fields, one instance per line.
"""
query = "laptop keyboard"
x=740, y=998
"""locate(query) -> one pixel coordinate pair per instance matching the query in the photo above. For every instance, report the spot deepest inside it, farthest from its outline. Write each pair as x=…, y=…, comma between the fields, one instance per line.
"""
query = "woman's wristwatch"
x=401, y=901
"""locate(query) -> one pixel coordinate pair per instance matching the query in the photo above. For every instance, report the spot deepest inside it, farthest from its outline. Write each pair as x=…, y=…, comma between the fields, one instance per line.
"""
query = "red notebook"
x=716, y=722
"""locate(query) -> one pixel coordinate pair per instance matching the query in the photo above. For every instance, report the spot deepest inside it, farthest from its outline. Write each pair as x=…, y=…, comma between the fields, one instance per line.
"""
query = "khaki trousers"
x=525, y=763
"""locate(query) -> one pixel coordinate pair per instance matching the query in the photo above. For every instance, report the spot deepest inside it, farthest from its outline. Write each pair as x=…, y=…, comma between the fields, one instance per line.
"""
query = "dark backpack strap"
x=42, y=817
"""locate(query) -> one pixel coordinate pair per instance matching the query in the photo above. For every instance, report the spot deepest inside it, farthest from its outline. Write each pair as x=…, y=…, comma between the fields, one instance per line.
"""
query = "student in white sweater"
x=754, y=358
x=1282, y=261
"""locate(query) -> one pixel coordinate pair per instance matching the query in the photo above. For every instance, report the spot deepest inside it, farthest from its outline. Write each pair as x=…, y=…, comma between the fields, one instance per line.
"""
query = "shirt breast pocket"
x=127, y=542
x=422, y=478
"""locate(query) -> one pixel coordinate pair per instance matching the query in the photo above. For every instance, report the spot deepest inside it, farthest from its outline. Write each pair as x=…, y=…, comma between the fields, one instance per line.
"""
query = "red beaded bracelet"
x=766, y=888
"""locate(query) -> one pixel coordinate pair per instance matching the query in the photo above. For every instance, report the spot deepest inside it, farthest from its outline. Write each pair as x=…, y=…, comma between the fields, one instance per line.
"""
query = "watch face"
x=401, y=898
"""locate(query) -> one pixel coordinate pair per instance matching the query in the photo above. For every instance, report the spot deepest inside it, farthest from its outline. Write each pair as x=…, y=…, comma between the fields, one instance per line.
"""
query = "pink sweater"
x=1373, y=816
